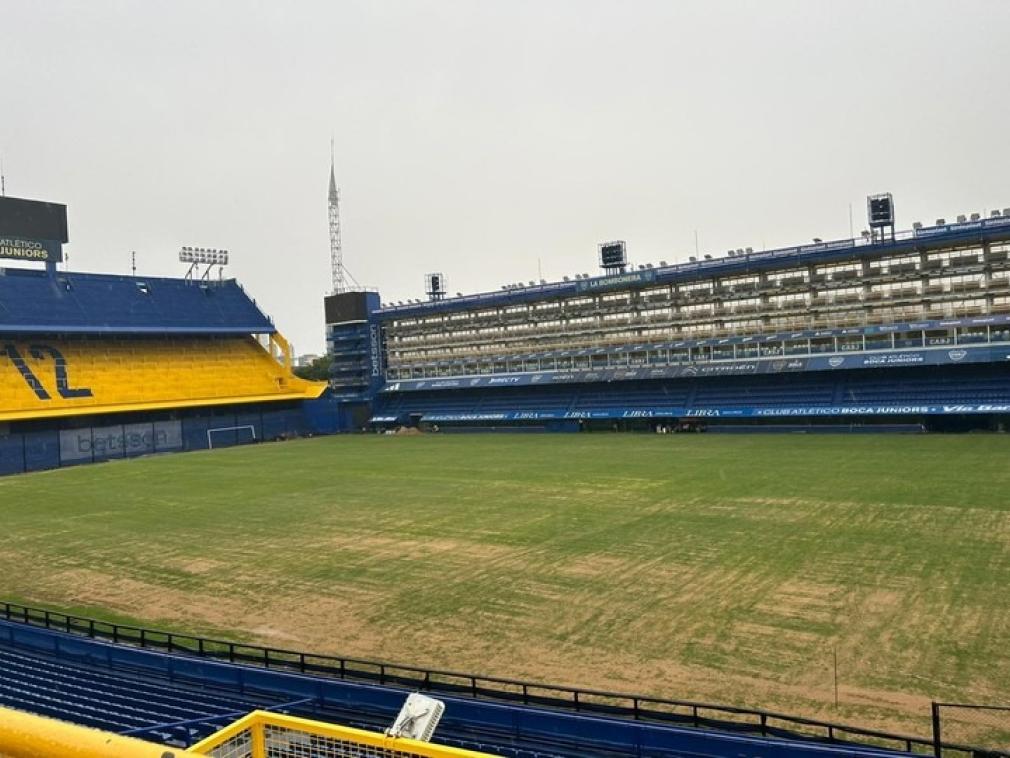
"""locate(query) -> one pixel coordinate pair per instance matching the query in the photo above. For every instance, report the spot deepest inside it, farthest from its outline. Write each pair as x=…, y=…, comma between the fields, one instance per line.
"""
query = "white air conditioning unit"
x=418, y=718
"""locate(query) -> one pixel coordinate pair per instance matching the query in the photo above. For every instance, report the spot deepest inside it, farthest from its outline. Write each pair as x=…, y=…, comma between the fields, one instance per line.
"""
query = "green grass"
x=720, y=568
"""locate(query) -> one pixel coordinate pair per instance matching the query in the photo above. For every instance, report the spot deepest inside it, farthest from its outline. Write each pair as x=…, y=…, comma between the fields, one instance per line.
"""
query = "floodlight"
x=880, y=210
x=613, y=256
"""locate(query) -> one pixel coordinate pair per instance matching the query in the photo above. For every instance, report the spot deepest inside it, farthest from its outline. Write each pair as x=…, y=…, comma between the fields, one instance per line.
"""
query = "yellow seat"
x=41, y=378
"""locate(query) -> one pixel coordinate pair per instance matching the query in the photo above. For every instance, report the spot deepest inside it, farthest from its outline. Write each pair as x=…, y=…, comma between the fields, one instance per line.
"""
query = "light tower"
x=336, y=252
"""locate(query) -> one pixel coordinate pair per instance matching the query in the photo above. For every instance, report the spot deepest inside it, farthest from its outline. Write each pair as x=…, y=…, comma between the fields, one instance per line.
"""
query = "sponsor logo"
x=374, y=350
x=957, y=355
x=395, y=387
x=836, y=362
x=121, y=442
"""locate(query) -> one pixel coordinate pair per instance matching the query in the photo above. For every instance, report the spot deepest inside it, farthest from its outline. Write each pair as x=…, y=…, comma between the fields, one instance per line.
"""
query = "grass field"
x=727, y=568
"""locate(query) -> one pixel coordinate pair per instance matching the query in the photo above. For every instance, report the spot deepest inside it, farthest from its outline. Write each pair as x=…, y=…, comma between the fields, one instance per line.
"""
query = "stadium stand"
x=113, y=375
x=908, y=330
x=95, y=367
x=180, y=699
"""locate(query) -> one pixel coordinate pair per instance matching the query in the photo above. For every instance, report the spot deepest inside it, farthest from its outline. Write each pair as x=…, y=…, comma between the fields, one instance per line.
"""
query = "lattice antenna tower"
x=336, y=251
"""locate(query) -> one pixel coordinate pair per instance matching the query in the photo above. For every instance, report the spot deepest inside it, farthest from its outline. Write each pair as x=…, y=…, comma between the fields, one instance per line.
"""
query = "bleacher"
x=178, y=699
x=116, y=701
x=110, y=374
x=709, y=396
x=767, y=394
x=920, y=389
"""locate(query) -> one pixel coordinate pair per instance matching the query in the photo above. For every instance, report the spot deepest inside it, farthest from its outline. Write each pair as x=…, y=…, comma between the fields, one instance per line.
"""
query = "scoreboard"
x=32, y=230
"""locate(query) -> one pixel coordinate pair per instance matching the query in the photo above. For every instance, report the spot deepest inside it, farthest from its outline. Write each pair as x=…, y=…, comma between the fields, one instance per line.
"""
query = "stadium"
x=346, y=552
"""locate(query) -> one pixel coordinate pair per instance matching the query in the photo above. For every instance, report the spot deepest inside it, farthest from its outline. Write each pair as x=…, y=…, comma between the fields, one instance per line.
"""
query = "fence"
x=593, y=702
x=987, y=727
x=268, y=735
x=257, y=735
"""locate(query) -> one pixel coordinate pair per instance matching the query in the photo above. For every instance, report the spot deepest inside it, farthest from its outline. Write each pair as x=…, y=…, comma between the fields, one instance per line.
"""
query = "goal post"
x=236, y=429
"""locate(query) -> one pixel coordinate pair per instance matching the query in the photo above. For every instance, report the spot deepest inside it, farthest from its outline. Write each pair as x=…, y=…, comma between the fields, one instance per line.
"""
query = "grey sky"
x=475, y=138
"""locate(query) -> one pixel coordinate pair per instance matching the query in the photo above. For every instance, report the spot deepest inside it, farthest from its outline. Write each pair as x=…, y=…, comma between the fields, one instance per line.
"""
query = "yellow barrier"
x=24, y=735
x=257, y=735
x=270, y=735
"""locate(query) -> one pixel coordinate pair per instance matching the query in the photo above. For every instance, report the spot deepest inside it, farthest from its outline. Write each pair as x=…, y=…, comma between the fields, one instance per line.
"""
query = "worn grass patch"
x=726, y=569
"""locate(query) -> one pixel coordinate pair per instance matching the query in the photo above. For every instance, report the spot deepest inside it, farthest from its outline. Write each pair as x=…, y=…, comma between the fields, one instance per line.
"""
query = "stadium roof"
x=33, y=301
x=995, y=228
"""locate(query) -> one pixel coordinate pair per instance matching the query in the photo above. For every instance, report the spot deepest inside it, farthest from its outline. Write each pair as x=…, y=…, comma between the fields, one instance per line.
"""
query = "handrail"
x=25, y=735
x=582, y=700
x=254, y=725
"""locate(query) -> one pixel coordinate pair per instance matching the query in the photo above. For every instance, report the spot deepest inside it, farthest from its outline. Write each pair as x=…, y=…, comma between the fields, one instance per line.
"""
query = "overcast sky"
x=488, y=140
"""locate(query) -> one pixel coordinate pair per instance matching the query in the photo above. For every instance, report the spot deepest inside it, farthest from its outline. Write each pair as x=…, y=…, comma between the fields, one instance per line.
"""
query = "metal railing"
x=26, y=735
x=262, y=734
x=586, y=701
x=981, y=724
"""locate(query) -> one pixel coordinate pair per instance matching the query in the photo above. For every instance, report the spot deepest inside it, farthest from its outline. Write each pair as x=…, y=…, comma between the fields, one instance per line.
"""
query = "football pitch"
x=730, y=569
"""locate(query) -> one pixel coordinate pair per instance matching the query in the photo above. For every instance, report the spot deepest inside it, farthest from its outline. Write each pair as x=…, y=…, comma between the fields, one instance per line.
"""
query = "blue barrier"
x=42, y=450
x=12, y=454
